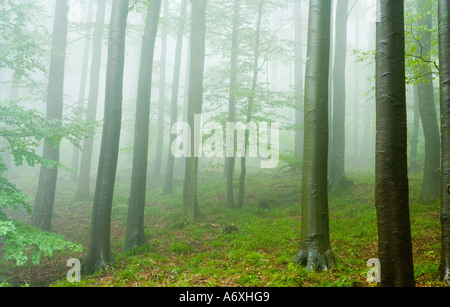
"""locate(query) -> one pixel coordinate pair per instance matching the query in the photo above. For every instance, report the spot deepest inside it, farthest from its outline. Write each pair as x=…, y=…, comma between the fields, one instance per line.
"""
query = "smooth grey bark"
x=444, y=67
x=162, y=96
x=337, y=177
x=431, y=170
x=135, y=235
x=315, y=249
x=99, y=252
x=45, y=195
x=231, y=161
x=416, y=125
x=168, y=183
x=82, y=90
x=196, y=67
x=391, y=178
x=83, y=187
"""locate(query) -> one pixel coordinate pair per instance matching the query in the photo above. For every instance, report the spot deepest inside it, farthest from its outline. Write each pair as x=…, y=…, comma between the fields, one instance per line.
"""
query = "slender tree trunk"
x=99, y=253
x=249, y=111
x=45, y=195
x=135, y=235
x=416, y=124
x=299, y=78
x=444, y=56
x=82, y=91
x=162, y=96
x=231, y=161
x=174, y=104
x=83, y=188
x=315, y=249
x=431, y=172
x=357, y=95
x=197, y=65
x=337, y=178
x=391, y=191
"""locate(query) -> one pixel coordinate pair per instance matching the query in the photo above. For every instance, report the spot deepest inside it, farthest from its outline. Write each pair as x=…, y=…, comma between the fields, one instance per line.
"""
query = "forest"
x=225, y=143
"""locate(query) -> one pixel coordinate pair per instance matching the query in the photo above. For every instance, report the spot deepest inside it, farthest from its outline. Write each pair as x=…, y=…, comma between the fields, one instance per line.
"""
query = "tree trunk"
x=99, y=253
x=231, y=161
x=45, y=195
x=391, y=191
x=249, y=111
x=299, y=79
x=315, y=250
x=175, y=90
x=444, y=56
x=162, y=96
x=135, y=235
x=416, y=124
x=82, y=91
x=83, y=188
x=195, y=96
x=431, y=172
x=337, y=178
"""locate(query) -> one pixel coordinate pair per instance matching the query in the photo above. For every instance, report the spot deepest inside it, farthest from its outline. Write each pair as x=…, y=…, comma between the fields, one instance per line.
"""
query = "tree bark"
x=174, y=103
x=195, y=96
x=135, y=235
x=83, y=188
x=315, y=249
x=391, y=191
x=99, y=253
x=431, y=172
x=337, y=178
x=45, y=195
x=444, y=67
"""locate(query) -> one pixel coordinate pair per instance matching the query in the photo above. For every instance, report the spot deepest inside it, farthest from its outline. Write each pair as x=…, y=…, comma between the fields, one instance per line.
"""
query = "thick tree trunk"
x=83, y=188
x=444, y=56
x=391, y=191
x=45, y=195
x=195, y=96
x=431, y=173
x=315, y=250
x=337, y=178
x=231, y=161
x=135, y=235
x=99, y=253
x=174, y=104
x=79, y=110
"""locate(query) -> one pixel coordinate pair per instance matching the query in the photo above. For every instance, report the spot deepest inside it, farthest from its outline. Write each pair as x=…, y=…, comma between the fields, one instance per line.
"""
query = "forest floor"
x=254, y=246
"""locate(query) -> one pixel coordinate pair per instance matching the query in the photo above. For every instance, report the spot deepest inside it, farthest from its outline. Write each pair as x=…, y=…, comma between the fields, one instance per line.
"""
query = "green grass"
x=254, y=246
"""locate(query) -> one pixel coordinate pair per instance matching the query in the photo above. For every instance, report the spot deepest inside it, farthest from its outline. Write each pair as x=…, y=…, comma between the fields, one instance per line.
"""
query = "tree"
x=45, y=195
x=82, y=90
x=431, y=170
x=444, y=68
x=337, y=178
x=174, y=102
x=391, y=191
x=230, y=161
x=195, y=96
x=135, y=235
x=162, y=95
x=299, y=78
x=99, y=253
x=83, y=187
x=315, y=250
